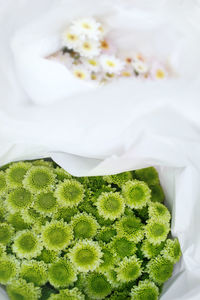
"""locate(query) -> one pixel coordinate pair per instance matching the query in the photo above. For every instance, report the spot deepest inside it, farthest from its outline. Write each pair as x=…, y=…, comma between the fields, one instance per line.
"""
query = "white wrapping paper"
x=123, y=126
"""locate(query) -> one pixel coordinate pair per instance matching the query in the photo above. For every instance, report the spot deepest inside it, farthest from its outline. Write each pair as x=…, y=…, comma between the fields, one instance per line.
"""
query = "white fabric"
x=122, y=126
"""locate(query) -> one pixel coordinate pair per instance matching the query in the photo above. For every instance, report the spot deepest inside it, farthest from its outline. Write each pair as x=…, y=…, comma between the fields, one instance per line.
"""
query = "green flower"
x=73, y=294
x=146, y=290
x=159, y=211
x=110, y=205
x=84, y=226
x=65, y=213
x=108, y=260
x=160, y=269
x=130, y=227
x=106, y=234
x=21, y=290
x=129, y=269
x=97, y=286
x=43, y=163
x=62, y=174
x=19, y=200
x=86, y=255
x=122, y=247
x=45, y=203
x=39, y=179
x=149, y=175
x=17, y=221
x=16, y=172
x=6, y=233
x=172, y=250
x=112, y=278
x=3, y=184
x=157, y=193
x=136, y=193
x=31, y=216
x=2, y=250
x=9, y=268
x=34, y=271
x=69, y=193
x=56, y=235
x=118, y=179
x=27, y=244
x=150, y=250
x=48, y=256
x=156, y=231
x=61, y=273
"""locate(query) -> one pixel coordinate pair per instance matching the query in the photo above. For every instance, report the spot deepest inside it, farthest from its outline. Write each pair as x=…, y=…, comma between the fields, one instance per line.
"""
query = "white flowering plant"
x=90, y=56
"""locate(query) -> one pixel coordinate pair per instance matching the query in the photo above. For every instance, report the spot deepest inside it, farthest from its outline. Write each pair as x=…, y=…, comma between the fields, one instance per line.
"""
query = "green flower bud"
x=84, y=226
x=17, y=221
x=9, y=268
x=27, y=244
x=34, y=271
x=97, y=286
x=146, y=290
x=118, y=179
x=56, y=235
x=122, y=247
x=106, y=234
x=130, y=227
x=129, y=269
x=160, y=269
x=159, y=211
x=6, y=233
x=156, y=231
x=86, y=255
x=19, y=200
x=39, y=179
x=150, y=250
x=20, y=289
x=136, y=193
x=45, y=203
x=149, y=175
x=61, y=273
x=69, y=193
x=172, y=250
x=110, y=205
x=16, y=172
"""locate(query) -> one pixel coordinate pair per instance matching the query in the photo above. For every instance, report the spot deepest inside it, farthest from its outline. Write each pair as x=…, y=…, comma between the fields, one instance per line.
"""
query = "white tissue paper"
x=123, y=126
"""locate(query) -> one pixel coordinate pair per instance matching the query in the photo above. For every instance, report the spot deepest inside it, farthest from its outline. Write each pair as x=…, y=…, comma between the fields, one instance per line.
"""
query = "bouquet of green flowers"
x=102, y=237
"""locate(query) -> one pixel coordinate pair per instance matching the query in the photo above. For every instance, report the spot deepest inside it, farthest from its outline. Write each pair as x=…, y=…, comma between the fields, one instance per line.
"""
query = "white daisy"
x=111, y=64
x=89, y=48
x=140, y=67
x=70, y=39
x=87, y=27
x=80, y=72
x=92, y=64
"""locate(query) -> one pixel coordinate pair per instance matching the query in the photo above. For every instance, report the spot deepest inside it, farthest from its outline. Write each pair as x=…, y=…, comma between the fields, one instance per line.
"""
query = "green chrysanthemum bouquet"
x=68, y=238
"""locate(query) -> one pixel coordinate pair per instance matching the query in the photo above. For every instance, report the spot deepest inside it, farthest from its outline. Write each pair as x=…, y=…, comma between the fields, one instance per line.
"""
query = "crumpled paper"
x=122, y=126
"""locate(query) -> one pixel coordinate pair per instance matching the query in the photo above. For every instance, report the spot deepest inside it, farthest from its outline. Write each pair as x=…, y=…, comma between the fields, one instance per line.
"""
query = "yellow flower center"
x=71, y=37
x=110, y=75
x=104, y=45
x=110, y=63
x=93, y=77
x=160, y=74
x=92, y=62
x=86, y=26
x=79, y=74
x=126, y=74
x=87, y=46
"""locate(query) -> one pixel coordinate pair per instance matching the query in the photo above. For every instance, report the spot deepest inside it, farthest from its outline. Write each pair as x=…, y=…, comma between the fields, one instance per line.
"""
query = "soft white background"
x=125, y=125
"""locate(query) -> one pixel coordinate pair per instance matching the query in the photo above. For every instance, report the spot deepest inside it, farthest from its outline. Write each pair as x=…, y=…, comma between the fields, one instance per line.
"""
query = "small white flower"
x=140, y=67
x=89, y=48
x=80, y=72
x=70, y=39
x=111, y=64
x=92, y=64
x=87, y=27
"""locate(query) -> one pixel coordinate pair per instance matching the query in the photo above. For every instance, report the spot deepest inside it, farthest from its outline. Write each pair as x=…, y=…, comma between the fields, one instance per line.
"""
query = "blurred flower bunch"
x=64, y=237
x=91, y=56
